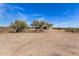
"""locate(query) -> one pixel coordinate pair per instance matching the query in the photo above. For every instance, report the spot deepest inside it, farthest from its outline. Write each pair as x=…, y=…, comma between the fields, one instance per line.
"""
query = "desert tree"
x=45, y=25
x=35, y=24
x=19, y=25
x=40, y=24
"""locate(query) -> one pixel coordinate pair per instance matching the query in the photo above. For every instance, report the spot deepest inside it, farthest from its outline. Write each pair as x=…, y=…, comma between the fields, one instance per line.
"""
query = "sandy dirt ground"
x=51, y=43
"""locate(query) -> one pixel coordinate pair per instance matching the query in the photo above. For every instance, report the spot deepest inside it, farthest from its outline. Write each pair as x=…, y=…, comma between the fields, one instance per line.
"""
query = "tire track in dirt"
x=51, y=43
x=21, y=46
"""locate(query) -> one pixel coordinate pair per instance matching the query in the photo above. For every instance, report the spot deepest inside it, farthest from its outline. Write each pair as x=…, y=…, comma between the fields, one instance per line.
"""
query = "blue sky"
x=60, y=14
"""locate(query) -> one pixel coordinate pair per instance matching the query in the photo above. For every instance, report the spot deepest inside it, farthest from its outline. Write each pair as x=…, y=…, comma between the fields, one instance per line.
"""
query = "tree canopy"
x=19, y=25
x=38, y=24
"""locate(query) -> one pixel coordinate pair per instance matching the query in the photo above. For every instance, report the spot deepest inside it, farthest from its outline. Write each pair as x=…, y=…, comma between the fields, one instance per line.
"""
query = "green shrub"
x=19, y=25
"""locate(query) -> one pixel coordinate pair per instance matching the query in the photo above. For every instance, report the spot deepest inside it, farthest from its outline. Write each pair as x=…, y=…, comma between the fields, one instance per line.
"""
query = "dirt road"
x=52, y=43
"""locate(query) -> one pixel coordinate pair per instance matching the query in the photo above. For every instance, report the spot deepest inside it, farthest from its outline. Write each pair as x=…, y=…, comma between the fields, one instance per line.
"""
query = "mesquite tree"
x=19, y=25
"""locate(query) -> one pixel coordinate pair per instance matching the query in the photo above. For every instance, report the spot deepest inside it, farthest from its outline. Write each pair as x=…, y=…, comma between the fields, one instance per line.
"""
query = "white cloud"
x=16, y=8
x=41, y=18
x=67, y=24
x=20, y=8
x=23, y=16
x=6, y=7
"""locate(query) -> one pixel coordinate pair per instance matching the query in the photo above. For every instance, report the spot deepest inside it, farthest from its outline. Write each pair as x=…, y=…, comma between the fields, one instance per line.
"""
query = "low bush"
x=74, y=30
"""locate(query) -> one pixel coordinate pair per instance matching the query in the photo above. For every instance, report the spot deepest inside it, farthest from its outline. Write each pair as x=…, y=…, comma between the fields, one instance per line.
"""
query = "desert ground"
x=51, y=43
